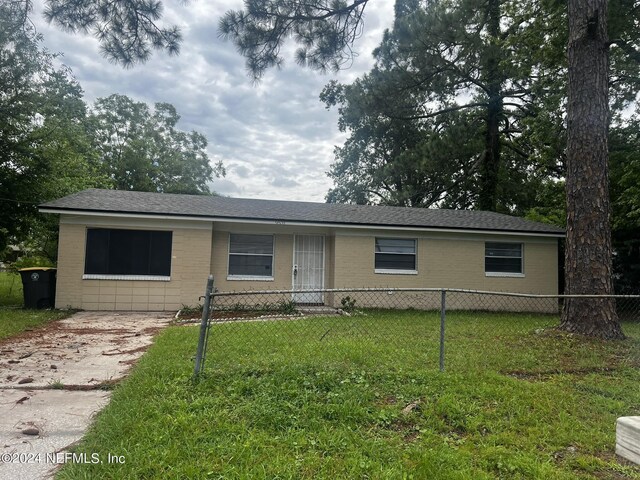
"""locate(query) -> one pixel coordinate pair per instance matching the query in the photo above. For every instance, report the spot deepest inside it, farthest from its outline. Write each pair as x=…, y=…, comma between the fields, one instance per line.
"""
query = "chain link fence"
x=452, y=329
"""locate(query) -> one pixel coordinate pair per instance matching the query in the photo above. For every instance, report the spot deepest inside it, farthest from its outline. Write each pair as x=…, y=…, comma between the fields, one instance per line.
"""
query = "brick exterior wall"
x=444, y=260
x=448, y=262
x=191, y=249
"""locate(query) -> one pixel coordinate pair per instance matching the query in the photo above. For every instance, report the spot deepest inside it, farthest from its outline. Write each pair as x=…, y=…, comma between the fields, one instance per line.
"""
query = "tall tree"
x=459, y=76
x=588, y=253
x=588, y=248
x=401, y=161
x=44, y=150
x=143, y=150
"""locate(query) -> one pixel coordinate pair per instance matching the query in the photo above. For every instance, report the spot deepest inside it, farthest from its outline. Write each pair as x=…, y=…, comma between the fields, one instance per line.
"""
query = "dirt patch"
x=83, y=349
x=388, y=400
x=126, y=352
x=237, y=315
x=6, y=344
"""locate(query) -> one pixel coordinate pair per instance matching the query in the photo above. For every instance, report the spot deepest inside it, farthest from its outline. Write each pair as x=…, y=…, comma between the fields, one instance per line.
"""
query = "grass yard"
x=362, y=397
x=14, y=319
x=10, y=289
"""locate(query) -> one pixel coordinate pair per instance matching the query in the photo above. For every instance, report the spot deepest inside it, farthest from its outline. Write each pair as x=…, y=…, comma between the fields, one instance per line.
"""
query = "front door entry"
x=308, y=268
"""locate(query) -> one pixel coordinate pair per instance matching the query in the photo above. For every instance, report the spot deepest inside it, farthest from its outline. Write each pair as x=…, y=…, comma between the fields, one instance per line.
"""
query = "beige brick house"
x=147, y=251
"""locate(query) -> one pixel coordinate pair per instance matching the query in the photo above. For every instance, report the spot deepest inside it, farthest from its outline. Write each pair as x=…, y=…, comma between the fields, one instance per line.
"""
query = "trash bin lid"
x=36, y=268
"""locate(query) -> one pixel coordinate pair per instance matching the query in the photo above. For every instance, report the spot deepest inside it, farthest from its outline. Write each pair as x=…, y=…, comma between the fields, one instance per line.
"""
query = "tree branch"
x=440, y=112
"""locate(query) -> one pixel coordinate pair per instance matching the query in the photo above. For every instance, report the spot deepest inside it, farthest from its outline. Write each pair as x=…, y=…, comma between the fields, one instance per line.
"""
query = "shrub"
x=31, y=261
x=348, y=303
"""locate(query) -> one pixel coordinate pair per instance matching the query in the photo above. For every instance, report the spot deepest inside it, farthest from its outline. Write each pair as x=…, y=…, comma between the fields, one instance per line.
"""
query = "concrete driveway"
x=52, y=382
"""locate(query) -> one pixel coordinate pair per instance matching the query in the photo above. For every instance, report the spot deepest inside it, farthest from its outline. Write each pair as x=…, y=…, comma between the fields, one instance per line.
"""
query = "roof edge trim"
x=163, y=216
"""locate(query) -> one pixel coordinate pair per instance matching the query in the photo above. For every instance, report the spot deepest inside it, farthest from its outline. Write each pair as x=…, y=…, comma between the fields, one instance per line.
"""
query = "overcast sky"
x=275, y=139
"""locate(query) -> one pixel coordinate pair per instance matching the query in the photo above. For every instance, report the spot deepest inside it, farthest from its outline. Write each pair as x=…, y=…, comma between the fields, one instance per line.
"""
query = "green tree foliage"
x=624, y=53
x=51, y=145
x=142, y=149
x=401, y=161
x=549, y=203
x=455, y=92
x=625, y=197
x=44, y=149
x=127, y=30
x=324, y=30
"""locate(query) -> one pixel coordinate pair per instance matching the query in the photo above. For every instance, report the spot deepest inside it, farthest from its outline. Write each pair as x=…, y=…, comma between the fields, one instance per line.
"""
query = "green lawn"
x=16, y=320
x=13, y=318
x=362, y=397
x=10, y=289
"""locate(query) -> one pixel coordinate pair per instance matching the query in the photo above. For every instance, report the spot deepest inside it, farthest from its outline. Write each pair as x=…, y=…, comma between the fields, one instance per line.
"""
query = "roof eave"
x=277, y=221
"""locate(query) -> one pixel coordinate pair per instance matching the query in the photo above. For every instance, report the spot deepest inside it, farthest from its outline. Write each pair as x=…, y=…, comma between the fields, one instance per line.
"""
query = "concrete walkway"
x=52, y=383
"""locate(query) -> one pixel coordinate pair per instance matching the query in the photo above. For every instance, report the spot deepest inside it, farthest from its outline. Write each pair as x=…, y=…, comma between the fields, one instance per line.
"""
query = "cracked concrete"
x=52, y=380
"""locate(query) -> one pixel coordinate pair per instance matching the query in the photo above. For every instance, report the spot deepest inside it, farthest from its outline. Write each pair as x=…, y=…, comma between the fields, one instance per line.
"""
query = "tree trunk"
x=488, y=194
x=588, y=243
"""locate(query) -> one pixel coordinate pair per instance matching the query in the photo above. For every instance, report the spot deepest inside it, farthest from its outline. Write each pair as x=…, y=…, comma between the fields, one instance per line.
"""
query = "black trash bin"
x=39, y=287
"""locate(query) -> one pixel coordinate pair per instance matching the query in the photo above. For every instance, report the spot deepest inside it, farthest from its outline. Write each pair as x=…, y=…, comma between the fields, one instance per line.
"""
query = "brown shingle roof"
x=200, y=206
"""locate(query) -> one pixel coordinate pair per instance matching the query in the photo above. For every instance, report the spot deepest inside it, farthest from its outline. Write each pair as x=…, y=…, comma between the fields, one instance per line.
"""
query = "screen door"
x=308, y=268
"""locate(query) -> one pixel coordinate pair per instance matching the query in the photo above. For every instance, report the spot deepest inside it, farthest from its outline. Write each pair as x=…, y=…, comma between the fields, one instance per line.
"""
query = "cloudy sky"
x=275, y=139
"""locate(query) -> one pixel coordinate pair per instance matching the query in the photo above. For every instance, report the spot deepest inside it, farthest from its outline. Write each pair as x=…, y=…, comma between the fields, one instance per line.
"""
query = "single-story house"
x=122, y=250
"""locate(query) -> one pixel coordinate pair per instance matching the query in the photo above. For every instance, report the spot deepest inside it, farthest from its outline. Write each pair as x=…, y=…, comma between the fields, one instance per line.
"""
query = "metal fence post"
x=443, y=309
x=200, y=352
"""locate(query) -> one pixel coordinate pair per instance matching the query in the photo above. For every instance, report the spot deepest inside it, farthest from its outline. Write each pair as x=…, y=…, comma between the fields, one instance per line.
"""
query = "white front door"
x=308, y=268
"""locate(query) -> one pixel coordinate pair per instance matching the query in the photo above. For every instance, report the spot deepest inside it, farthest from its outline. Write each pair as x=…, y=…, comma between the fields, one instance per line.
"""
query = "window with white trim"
x=503, y=258
x=250, y=255
x=395, y=255
x=111, y=251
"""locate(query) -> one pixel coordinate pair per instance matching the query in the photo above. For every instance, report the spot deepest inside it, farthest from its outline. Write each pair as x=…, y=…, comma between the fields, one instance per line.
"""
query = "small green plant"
x=348, y=303
x=188, y=311
x=238, y=307
x=56, y=385
x=287, y=307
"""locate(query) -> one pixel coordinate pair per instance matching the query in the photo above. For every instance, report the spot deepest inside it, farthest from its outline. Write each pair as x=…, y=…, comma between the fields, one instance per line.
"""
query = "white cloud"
x=275, y=138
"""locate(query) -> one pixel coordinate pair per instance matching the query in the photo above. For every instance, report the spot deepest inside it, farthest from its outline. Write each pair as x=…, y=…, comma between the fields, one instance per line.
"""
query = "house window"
x=503, y=258
x=251, y=256
x=395, y=255
x=114, y=252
